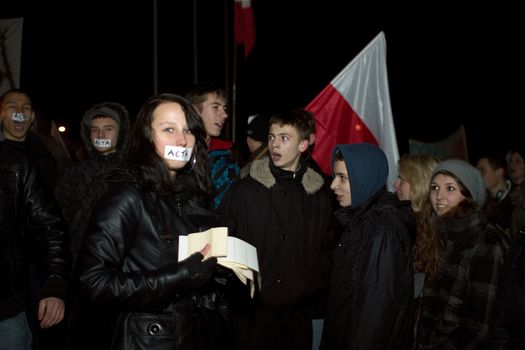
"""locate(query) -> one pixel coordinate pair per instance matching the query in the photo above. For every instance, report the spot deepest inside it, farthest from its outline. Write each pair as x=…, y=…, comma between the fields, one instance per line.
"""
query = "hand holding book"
x=200, y=269
x=231, y=252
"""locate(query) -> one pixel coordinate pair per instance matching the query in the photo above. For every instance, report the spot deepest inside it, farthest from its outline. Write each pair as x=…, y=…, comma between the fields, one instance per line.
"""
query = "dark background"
x=448, y=63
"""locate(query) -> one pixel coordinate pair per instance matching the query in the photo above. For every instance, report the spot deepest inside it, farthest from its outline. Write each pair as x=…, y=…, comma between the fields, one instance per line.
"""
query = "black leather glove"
x=199, y=270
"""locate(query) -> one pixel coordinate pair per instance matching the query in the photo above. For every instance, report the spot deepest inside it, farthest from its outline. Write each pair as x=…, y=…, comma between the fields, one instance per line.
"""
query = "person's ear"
x=32, y=117
x=303, y=146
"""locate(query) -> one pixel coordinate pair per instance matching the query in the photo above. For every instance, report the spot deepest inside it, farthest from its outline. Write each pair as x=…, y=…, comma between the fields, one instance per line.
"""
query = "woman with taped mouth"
x=133, y=293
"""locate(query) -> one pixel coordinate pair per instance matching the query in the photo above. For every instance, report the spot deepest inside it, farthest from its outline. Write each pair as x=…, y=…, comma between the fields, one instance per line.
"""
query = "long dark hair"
x=154, y=175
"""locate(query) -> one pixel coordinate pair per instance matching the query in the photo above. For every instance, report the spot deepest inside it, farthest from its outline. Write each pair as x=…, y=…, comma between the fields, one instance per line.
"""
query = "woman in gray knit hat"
x=464, y=254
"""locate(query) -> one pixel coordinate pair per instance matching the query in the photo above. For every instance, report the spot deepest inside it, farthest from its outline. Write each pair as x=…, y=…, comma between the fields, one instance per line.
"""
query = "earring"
x=193, y=160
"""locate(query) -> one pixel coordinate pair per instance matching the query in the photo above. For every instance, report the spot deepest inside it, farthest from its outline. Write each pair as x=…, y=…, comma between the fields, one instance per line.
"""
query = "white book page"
x=241, y=253
x=231, y=252
x=183, y=247
x=217, y=237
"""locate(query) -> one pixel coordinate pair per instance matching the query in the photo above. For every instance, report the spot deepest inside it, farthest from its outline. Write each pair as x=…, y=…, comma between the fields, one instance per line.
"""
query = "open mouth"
x=276, y=156
x=19, y=126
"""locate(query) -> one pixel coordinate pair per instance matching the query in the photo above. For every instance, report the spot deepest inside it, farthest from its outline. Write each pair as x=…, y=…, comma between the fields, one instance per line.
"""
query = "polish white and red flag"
x=355, y=107
x=244, y=25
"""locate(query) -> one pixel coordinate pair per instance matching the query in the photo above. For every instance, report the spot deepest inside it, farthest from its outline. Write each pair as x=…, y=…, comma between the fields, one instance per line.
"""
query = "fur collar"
x=260, y=172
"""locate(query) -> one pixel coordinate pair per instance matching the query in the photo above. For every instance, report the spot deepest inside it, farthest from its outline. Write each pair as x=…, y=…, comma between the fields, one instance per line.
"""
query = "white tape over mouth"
x=102, y=143
x=19, y=117
x=177, y=153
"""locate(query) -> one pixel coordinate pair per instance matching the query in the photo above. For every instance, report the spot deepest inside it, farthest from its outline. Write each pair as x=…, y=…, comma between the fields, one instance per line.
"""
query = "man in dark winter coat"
x=283, y=209
x=104, y=131
x=30, y=222
x=18, y=117
x=370, y=293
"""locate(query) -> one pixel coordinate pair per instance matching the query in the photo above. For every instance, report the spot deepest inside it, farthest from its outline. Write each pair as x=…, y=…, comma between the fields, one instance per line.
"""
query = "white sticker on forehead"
x=177, y=153
x=18, y=117
x=102, y=143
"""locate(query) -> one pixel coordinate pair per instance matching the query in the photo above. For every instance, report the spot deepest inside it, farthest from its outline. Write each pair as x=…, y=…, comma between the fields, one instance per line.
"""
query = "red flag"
x=244, y=25
x=355, y=107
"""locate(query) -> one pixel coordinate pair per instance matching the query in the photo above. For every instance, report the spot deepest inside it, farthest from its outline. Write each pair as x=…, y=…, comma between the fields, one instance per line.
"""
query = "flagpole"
x=195, y=47
x=234, y=89
x=227, y=55
x=155, y=49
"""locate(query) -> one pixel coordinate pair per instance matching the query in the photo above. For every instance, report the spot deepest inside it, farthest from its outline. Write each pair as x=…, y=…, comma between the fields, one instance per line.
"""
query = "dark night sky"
x=447, y=65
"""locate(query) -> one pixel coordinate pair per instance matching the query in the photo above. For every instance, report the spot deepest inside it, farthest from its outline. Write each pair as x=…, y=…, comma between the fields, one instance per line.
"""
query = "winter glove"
x=199, y=270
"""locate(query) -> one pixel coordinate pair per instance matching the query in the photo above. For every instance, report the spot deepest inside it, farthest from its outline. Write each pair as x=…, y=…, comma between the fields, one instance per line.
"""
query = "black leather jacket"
x=130, y=282
x=31, y=228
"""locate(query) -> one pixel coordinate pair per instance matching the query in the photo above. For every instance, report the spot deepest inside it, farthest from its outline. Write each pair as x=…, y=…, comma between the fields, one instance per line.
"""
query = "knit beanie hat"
x=257, y=128
x=108, y=109
x=468, y=175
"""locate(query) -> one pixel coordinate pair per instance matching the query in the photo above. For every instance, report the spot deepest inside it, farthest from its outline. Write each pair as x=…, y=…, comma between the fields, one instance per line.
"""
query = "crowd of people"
x=89, y=249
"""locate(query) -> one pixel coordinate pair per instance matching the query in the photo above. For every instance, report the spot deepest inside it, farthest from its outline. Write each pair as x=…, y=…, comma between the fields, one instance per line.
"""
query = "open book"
x=231, y=252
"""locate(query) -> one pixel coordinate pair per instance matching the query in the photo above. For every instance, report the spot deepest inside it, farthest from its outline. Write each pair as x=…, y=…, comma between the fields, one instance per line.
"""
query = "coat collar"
x=260, y=172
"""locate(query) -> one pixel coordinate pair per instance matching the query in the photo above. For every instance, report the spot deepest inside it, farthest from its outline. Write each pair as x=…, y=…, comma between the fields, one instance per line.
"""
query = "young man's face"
x=516, y=168
x=213, y=114
x=341, y=184
x=491, y=177
x=17, y=116
x=253, y=145
x=285, y=146
x=104, y=134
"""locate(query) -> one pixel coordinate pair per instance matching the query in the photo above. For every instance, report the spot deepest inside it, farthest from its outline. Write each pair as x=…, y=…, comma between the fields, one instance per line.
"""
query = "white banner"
x=10, y=53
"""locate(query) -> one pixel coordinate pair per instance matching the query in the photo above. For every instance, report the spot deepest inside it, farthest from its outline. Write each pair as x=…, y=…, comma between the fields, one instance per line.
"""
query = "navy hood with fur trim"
x=367, y=168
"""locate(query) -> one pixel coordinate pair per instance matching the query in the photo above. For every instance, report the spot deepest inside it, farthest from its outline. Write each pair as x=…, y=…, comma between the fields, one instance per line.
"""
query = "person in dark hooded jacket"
x=370, y=292
x=104, y=131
